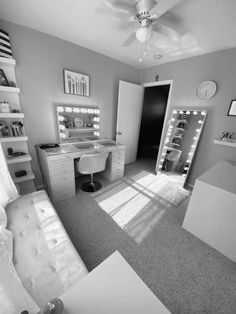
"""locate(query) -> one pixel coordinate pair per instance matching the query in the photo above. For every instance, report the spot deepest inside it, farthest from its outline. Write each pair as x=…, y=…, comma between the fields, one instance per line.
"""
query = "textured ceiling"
x=204, y=26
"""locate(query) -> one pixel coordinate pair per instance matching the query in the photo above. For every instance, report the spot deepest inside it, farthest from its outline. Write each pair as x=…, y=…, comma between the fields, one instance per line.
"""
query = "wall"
x=187, y=75
x=41, y=59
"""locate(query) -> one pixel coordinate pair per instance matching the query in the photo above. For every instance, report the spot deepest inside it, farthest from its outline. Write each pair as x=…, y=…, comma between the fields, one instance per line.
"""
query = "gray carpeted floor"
x=187, y=275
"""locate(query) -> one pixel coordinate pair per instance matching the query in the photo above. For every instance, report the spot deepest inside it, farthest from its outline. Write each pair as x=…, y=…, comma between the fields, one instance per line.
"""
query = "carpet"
x=185, y=274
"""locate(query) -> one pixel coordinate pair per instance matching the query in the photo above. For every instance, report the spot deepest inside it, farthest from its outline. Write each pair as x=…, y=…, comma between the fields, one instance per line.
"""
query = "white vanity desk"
x=58, y=165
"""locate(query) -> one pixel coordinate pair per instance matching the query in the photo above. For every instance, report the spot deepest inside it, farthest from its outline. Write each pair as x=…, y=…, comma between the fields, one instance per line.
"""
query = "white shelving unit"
x=15, y=160
x=11, y=115
x=9, y=89
x=17, y=143
x=9, y=139
x=231, y=143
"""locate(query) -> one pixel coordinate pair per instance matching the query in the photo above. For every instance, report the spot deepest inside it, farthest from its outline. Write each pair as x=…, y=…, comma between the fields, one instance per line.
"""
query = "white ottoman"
x=211, y=213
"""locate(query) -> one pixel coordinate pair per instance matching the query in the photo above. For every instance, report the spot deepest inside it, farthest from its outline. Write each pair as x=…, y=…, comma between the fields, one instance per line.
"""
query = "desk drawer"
x=60, y=168
x=63, y=180
x=118, y=155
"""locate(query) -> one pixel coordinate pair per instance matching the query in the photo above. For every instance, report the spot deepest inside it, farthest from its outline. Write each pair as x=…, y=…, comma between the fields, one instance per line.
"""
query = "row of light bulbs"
x=78, y=110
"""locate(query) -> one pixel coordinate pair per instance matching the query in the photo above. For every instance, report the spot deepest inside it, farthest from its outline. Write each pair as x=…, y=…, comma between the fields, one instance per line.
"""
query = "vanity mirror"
x=77, y=124
x=182, y=137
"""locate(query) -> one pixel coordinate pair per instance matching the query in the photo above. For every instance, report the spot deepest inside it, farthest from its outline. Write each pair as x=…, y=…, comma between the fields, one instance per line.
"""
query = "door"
x=153, y=114
x=130, y=101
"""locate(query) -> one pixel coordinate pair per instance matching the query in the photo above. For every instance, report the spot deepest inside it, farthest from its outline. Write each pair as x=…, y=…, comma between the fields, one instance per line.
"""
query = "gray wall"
x=187, y=75
x=40, y=61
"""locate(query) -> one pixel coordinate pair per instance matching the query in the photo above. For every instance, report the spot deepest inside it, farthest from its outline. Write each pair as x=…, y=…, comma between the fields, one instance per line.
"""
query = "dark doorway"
x=153, y=114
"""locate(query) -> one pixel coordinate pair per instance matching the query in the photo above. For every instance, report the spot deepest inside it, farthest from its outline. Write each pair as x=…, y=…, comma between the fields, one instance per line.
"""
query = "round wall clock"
x=207, y=90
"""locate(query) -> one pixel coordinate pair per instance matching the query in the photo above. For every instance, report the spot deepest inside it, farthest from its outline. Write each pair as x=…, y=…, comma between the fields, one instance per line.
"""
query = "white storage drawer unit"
x=211, y=213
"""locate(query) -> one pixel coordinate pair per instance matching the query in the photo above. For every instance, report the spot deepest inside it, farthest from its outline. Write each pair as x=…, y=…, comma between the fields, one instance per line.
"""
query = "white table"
x=211, y=213
x=112, y=288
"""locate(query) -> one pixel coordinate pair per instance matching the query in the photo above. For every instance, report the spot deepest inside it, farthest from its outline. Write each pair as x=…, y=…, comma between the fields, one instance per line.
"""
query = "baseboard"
x=189, y=186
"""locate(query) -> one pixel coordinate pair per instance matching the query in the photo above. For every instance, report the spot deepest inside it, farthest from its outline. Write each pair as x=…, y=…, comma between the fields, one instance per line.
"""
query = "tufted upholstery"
x=44, y=257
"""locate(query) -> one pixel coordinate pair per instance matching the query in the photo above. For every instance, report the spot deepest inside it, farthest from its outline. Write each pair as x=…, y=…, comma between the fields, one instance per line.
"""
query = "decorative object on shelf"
x=54, y=306
x=4, y=131
x=226, y=135
x=3, y=79
x=206, y=90
x=156, y=77
x=17, y=128
x=5, y=45
x=232, y=108
x=12, y=84
x=76, y=83
x=10, y=152
x=78, y=122
x=4, y=106
x=20, y=173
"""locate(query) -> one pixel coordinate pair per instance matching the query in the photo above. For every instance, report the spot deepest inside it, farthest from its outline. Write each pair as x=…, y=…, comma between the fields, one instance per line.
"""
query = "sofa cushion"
x=6, y=237
x=4, y=197
x=45, y=259
x=13, y=297
x=3, y=217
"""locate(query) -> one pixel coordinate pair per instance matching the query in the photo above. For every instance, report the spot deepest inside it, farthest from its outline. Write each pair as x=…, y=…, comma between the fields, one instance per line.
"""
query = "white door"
x=130, y=103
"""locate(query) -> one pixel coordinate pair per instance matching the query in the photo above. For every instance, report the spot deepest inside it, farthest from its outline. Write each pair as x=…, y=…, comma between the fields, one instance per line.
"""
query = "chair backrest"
x=92, y=163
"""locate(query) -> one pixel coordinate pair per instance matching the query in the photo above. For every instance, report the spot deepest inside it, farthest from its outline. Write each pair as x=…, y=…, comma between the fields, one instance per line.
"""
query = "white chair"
x=90, y=164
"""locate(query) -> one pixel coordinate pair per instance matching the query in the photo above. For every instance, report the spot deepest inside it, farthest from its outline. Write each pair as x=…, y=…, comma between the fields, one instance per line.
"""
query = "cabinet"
x=14, y=143
x=115, y=164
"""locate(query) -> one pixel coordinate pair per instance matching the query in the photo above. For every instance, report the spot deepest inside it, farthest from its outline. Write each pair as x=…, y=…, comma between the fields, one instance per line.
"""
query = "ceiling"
x=203, y=25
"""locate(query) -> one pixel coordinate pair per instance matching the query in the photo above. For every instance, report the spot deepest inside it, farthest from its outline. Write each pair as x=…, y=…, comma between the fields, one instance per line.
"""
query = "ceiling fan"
x=146, y=14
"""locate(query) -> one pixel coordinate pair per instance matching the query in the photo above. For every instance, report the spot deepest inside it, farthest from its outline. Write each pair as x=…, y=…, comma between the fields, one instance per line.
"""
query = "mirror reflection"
x=76, y=124
x=183, y=133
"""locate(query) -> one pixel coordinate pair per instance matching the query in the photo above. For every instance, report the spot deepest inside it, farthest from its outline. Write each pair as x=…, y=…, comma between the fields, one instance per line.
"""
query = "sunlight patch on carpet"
x=137, y=203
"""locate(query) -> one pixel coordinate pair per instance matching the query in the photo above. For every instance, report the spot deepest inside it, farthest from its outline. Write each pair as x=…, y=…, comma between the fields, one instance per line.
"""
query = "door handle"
x=118, y=133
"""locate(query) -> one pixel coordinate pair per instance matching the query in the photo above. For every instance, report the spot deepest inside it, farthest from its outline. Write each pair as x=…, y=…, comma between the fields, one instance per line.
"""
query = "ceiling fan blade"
x=162, y=6
x=129, y=40
x=167, y=32
x=120, y=7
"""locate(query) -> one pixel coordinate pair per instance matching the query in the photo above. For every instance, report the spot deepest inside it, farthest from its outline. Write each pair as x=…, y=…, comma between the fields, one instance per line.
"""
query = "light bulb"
x=68, y=109
x=187, y=112
x=200, y=121
x=60, y=109
x=144, y=33
x=61, y=118
x=195, y=113
x=203, y=113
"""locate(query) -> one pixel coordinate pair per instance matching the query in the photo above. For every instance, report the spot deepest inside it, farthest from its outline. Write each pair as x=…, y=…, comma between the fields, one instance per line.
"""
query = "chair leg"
x=91, y=186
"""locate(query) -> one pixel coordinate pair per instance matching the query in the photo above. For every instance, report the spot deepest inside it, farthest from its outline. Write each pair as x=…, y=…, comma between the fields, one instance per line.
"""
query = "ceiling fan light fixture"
x=143, y=34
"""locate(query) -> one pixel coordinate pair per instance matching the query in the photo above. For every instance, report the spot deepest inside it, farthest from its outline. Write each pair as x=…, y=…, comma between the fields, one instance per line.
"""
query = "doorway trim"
x=159, y=83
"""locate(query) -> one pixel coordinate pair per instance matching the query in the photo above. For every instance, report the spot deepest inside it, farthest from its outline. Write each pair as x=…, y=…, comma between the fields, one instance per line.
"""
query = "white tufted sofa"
x=44, y=257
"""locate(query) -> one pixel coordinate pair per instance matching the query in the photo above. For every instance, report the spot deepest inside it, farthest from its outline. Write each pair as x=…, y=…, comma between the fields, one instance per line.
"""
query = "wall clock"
x=207, y=90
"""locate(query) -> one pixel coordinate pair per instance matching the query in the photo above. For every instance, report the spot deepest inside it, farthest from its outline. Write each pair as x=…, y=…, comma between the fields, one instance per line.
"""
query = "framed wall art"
x=76, y=83
x=232, y=108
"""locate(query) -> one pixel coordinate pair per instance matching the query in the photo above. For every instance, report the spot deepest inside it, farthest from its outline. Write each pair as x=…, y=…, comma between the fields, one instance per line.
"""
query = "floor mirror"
x=183, y=133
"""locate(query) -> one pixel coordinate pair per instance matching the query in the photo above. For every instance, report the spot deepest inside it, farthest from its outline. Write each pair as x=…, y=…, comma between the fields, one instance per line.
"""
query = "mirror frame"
x=167, y=128
x=80, y=110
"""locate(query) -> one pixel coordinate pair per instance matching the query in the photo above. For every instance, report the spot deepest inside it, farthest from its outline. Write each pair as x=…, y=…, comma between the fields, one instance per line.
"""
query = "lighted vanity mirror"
x=182, y=137
x=78, y=124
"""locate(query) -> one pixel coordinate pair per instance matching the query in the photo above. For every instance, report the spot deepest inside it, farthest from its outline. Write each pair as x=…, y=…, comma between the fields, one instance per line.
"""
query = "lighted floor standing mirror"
x=182, y=137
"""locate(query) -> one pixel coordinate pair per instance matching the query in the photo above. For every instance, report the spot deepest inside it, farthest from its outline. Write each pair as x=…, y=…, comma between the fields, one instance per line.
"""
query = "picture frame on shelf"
x=3, y=79
x=232, y=109
x=76, y=83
